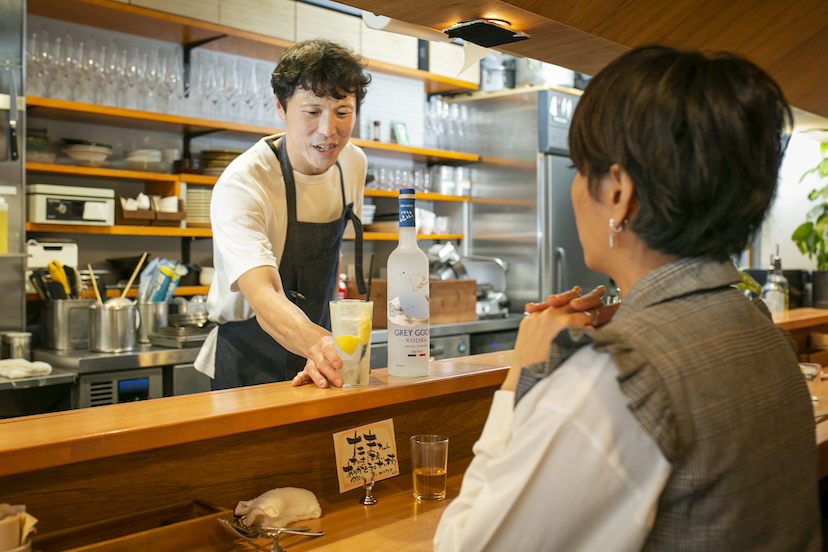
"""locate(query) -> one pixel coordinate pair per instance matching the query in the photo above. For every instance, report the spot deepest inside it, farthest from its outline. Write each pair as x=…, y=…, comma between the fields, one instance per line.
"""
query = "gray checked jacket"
x=717, y=386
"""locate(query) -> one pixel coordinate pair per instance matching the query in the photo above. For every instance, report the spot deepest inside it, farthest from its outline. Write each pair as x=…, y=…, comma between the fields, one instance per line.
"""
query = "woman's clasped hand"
x=546, y=319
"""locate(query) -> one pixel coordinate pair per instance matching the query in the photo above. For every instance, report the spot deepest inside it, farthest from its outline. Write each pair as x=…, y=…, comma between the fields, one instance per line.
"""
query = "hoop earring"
x=615, y=230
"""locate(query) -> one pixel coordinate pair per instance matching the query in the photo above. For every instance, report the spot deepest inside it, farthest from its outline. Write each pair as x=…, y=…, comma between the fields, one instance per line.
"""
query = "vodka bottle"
x=775, y=291
x=408, y=343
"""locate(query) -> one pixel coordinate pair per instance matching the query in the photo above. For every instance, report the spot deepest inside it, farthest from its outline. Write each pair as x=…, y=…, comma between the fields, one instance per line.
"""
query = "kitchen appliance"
x=521, y=211
x=50, y=204
x=118, y=387
x=12, y=168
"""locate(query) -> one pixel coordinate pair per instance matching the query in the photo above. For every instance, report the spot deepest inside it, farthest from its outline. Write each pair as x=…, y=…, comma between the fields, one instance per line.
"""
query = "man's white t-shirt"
x=248, y=212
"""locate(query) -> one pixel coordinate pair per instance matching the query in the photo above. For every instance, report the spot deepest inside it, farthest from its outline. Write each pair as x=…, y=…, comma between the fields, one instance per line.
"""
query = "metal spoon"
x=255, y=533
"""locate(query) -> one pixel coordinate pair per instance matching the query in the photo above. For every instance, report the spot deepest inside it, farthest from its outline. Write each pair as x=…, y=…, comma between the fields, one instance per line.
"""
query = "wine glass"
x=172, y=85
x=133, y=74
x=209, y=83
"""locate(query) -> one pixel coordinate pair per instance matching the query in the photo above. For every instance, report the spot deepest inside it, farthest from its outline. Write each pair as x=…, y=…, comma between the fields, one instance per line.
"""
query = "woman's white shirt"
x=568, y=469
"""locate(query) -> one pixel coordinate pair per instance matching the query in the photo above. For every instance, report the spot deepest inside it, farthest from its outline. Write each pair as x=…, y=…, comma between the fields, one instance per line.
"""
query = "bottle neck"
x=408, y=236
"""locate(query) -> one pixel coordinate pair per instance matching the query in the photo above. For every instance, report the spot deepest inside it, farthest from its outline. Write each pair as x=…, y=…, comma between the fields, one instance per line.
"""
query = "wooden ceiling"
x=789, y=39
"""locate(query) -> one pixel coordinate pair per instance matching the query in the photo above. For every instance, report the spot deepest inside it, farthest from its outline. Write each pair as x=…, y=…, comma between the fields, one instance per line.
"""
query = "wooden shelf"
x=418, y=154
x=393, y=236
x=101, y=172
x=191, y=232
x=146, y=120
x=179, y=291
x=200, y=179
x=419, y=195
x=126, y=18
x=120, y=230
x=65, y=110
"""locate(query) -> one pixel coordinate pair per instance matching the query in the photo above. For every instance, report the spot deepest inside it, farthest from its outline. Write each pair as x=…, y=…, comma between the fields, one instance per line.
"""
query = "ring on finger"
x=594, y=316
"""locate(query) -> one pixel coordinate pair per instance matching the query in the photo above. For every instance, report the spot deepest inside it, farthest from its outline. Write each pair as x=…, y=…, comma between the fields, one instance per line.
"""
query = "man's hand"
x=321, y=366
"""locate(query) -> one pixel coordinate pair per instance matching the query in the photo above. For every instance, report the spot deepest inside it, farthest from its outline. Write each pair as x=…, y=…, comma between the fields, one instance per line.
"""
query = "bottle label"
x=408, y=324
x=410, y=309
x=406, y=212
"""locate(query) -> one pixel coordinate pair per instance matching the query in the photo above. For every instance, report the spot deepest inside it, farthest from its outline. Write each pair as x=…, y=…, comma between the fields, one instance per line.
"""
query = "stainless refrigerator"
x=521, y=209
x=12, y=167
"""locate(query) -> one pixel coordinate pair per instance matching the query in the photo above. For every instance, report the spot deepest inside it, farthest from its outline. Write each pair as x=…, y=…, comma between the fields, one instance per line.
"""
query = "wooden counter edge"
x=49, y=440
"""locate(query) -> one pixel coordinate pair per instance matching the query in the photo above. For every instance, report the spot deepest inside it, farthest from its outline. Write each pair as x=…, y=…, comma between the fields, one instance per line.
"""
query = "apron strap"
x=360, y=277
x=348, y=210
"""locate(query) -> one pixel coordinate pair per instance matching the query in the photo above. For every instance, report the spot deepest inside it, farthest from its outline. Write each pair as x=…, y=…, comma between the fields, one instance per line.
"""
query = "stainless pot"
x=112, y=328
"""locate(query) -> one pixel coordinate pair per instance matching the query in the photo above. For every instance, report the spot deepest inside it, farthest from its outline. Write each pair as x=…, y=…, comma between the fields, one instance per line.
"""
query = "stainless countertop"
x=57, y=377
x=82, y=361
x=85, y=362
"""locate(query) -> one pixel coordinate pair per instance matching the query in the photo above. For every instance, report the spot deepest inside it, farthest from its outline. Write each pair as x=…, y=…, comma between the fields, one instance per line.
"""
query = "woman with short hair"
x=683, y=423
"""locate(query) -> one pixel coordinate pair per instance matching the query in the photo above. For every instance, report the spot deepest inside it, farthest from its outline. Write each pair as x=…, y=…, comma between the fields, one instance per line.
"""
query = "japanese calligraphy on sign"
x=365, y=452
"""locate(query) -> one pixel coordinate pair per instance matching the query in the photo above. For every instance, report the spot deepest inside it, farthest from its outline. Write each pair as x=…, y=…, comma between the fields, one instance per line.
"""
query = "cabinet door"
x=11, y=31
x=446, y=59
x=274, y=18
x=316, y=22
x=203, y=10
x=389, y=47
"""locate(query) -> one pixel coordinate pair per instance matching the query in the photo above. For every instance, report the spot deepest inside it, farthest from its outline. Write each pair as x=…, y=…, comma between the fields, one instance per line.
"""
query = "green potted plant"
x=812, y=236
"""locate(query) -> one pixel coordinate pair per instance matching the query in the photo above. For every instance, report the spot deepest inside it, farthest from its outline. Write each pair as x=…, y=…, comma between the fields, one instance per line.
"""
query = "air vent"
x=101, y=392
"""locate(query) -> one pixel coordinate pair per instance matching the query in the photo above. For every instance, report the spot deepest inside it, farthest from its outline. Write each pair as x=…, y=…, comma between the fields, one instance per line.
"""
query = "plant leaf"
x=823, y=167
x=802, y=233
x=822, y=224
x=816, y=210
x=823, y=147
x=806, y=173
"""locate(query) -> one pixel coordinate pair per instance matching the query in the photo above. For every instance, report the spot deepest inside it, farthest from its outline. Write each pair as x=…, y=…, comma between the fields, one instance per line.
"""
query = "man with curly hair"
x=279, y=212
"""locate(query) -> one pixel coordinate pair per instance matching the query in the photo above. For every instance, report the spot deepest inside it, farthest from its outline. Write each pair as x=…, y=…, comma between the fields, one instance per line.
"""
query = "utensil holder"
x=112, y=328
x=151, y=317
x=65, y=324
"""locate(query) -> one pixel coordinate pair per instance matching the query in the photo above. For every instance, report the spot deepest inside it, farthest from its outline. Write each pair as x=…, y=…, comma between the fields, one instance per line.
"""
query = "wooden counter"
x=231, y=445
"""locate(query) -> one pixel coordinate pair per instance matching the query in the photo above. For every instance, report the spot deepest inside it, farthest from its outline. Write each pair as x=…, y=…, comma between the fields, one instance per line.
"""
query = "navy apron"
x=245, y=353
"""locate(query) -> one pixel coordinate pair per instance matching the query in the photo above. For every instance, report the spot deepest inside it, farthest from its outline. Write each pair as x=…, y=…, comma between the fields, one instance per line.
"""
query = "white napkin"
x=14, y=368
x=15, y=526
x=279, y=507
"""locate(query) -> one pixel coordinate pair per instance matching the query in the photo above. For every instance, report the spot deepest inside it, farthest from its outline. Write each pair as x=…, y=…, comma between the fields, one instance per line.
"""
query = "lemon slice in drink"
x=348, y=343
x=364, y=332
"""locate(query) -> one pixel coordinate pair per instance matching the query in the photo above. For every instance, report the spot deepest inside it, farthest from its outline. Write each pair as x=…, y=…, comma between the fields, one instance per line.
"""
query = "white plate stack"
x=368, y=212
x=198, y=205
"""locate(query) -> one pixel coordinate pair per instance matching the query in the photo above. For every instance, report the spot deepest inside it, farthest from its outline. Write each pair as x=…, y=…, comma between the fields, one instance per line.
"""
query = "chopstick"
x=132, y=278
x=94, y=285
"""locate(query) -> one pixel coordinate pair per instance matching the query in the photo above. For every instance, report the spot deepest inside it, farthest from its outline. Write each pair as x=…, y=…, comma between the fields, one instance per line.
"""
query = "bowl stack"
x=213, y=162
x=86, y=152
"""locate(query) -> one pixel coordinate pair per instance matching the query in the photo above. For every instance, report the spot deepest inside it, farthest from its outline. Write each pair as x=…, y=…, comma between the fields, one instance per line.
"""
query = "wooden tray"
x=188, y=526
x=449, y=301
x=142, y=217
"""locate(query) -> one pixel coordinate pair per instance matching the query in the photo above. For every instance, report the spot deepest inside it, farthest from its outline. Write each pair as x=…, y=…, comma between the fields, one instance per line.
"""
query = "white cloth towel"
x=15, y=526
x=279, y=507
x=15, y=368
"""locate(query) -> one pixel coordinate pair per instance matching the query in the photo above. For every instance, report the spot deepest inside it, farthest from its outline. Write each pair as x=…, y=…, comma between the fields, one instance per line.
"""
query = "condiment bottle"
x=775, y=292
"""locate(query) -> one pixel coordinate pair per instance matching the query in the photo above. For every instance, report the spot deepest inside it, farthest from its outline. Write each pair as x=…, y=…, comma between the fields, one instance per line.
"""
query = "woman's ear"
x=618, y=193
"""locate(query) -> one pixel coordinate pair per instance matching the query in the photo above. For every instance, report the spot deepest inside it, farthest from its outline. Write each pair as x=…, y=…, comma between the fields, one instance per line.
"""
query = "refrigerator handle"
x=560, y=260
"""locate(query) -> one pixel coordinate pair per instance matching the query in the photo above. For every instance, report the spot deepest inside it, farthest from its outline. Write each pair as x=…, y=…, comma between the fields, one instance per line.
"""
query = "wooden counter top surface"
x=48, y=440
x=795, y=319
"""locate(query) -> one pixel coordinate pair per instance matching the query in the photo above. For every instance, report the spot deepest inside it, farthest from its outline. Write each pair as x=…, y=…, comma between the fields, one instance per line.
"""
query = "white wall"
x=790, y=206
